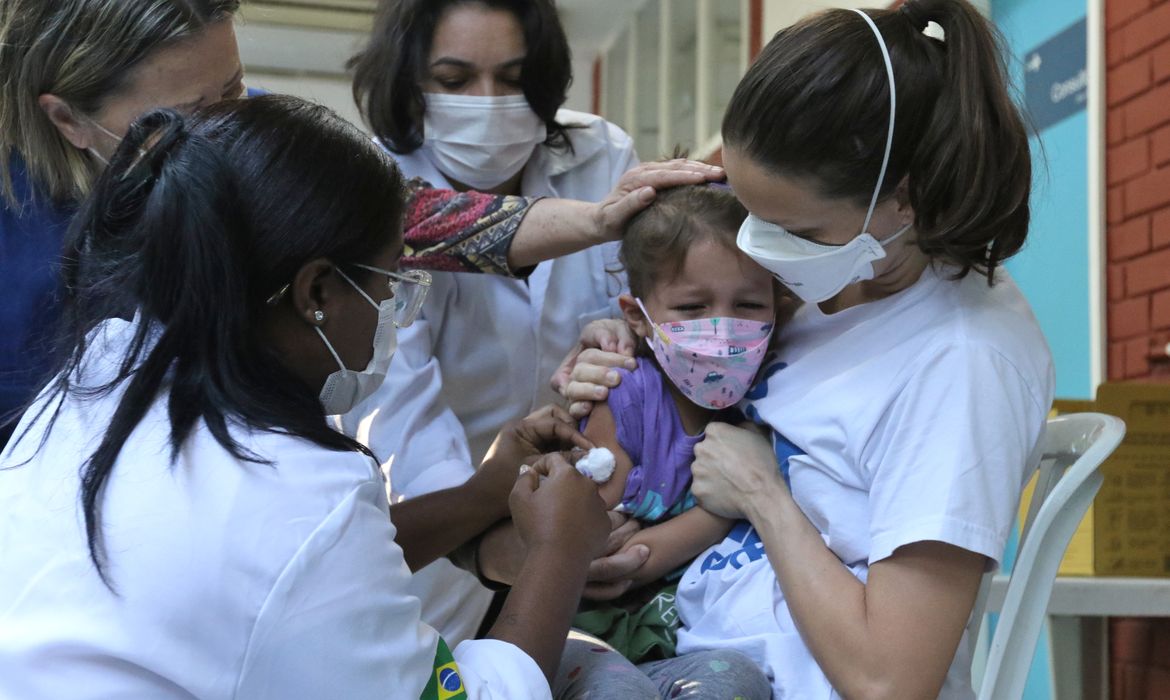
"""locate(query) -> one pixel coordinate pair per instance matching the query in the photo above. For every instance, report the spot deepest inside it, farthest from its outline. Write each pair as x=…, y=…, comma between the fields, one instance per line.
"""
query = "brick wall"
x=1137, y=173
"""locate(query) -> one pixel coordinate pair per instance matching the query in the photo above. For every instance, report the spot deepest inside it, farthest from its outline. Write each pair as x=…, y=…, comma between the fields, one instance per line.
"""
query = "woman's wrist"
x=598, y=232
x=770, y=497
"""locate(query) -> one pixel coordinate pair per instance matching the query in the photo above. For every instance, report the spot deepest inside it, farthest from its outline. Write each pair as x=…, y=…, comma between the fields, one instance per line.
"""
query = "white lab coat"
x=484, y=350
x=233, y=579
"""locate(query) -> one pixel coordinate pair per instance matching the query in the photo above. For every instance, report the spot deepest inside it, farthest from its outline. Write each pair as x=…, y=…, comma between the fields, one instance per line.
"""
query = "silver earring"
x=319, y=315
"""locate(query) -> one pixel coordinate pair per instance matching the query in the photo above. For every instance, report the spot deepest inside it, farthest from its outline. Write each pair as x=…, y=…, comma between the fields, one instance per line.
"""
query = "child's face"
x=714, y=281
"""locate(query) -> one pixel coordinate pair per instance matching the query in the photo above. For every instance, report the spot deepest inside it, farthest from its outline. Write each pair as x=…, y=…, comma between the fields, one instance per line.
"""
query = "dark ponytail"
x=816, y=103
x=191, y=227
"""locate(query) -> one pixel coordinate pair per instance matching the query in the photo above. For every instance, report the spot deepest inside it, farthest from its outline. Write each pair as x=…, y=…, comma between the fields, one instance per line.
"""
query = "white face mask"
x=481, y=141
x=346, y=388
x=814, y=271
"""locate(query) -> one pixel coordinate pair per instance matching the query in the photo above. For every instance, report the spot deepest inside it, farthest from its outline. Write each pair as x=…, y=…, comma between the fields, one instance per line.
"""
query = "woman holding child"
x=887, y=174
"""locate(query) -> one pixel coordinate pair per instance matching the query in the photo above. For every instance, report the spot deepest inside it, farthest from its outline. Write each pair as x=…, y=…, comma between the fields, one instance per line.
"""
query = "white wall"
x=308, y=63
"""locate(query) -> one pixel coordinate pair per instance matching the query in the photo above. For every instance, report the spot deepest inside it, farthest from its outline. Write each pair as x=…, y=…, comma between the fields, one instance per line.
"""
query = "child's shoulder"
x=644, y=378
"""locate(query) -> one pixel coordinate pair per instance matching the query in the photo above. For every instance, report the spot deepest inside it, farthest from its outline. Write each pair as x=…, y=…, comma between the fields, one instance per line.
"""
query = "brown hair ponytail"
x=816, y=103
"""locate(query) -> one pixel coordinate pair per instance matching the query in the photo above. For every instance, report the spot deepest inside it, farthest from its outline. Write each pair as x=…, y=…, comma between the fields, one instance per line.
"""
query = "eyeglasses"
x=409, y=290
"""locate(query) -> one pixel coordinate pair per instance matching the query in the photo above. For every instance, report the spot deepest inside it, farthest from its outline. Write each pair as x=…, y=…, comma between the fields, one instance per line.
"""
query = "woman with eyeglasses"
x=179, y=520
x=74, y=74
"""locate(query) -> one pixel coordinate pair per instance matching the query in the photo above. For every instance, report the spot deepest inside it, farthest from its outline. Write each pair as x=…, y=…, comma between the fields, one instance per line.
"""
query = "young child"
x=704, y=313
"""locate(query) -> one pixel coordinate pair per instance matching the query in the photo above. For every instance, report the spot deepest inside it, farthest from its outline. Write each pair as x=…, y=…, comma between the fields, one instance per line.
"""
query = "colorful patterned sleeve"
x=460, y=231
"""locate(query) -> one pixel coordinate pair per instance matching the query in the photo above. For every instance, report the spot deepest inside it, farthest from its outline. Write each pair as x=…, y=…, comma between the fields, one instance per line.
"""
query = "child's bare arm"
x=602, y=432
x=677, y=541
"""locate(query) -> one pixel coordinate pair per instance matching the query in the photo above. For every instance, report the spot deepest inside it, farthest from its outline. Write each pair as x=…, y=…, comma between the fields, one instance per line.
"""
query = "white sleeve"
x=626, y=158
x=952, y=453
x=406, y=423
x=337, y=623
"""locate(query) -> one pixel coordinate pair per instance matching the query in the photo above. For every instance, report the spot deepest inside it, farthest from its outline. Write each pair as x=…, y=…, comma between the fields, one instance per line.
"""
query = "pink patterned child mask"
x=712, y=361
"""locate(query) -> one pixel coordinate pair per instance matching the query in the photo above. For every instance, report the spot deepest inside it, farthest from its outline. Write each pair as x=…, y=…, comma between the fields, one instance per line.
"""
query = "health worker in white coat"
x=177, y=519
x=468, y=95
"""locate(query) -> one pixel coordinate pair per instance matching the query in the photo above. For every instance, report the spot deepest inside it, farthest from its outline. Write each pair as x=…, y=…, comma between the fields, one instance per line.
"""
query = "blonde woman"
x=74, y=75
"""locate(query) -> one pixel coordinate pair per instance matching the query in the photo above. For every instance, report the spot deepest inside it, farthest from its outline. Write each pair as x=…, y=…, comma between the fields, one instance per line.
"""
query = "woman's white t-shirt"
x=908, y=419
x=232, y=579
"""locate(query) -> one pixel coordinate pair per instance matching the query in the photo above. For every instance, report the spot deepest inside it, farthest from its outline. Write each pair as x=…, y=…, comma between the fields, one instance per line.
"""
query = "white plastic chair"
x=1075, y=445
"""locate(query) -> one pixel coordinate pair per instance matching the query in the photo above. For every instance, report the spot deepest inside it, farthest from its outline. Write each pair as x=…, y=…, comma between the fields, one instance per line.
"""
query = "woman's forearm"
x=891, y=637
x=463, y=510
x=552, y=228
x=536, y=615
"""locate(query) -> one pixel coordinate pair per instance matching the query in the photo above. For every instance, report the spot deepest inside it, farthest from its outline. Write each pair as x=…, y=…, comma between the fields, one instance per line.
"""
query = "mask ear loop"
x=330, y=347
x=658, y=331
x=359, y=289
x=893, y=104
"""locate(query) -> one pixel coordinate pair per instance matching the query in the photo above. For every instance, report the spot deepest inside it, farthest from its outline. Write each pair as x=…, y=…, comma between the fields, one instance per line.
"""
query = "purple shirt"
x=650, y=430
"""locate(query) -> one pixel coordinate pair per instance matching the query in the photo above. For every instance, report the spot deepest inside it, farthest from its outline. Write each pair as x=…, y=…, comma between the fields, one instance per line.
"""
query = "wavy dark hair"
x=387, y=73
x=816, y=103
x=194, y=224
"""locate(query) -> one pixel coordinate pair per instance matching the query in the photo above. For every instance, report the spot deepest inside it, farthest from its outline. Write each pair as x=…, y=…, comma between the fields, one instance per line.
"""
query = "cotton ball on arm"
x=597, y=464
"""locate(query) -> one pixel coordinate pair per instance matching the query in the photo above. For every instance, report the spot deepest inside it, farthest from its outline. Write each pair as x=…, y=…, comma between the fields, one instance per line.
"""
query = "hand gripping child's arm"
x=672, y=543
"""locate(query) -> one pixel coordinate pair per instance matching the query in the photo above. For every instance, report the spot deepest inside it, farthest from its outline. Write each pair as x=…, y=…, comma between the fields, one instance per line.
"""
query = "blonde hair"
x=82, y=51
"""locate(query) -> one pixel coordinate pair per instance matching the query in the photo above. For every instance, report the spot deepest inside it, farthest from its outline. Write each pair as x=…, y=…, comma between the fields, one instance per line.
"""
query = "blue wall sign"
x=1056, y=82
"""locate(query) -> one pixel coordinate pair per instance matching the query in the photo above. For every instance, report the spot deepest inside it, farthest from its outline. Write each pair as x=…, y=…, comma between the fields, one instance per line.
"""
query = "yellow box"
x=1126, y=531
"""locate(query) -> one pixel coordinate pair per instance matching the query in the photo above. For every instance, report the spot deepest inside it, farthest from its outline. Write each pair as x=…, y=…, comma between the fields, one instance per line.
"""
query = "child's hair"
x=655, y=245
x=816, y=104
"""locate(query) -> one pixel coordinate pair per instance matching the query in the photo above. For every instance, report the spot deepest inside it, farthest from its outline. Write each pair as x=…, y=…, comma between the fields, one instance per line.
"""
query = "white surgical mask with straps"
x=481, y=141
x=815, y=271
x=346, y=388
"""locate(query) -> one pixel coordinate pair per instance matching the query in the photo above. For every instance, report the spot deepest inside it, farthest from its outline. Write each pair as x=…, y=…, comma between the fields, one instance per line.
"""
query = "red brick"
x=1129, y=79
x=1115, y=205
x=1115, y=282
x=1149, y=110
x=1129, y=318
x=1116, y=361
x=1161, y=62
x=1160, y=146
x=1114, y=48
x=1129, y=240
x=1118, y=12
x=1137, y=358
x=1160, y=310
x=1160, y=230
x=1148, y=273
x=1147, y=192
x=1127, y=161
x=1115, y=126
x=1150, y=30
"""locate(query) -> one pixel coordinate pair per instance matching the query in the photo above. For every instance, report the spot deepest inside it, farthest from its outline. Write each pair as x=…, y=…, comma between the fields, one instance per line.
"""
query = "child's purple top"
x=650, y=430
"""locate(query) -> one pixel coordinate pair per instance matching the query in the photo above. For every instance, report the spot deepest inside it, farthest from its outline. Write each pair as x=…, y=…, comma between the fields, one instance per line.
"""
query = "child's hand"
x=554, y=506
x=586, y=373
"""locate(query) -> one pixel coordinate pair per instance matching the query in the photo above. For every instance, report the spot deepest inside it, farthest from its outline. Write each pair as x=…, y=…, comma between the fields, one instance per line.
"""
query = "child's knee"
x=714, y=674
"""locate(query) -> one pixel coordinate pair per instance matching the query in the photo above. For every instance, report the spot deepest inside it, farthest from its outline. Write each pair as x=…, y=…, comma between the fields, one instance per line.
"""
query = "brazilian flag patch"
x=445, y=682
